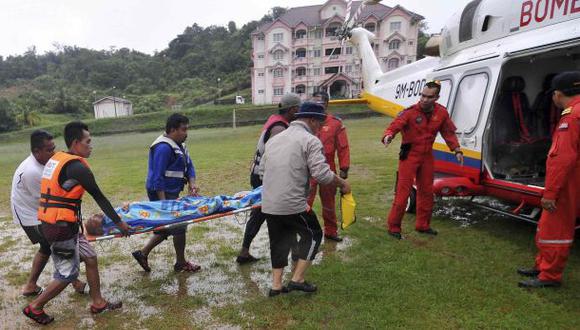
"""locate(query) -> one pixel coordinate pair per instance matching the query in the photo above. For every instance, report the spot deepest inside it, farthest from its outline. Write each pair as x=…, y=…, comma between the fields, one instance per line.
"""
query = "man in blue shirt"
x=169, y=169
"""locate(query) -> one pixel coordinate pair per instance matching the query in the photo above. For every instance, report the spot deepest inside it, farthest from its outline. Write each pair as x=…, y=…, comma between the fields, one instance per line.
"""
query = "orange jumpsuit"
x=333, y=137
x=419, y=130
x=556, y=229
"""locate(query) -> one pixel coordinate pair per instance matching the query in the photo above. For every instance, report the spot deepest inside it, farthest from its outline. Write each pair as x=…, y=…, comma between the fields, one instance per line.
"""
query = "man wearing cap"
x=419, y=125
x=332, y=134
x=555, y=233
x=291, y=158
x=275, y=124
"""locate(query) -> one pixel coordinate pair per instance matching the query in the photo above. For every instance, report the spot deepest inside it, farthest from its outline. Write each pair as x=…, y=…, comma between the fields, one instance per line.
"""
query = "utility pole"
x=114, y=102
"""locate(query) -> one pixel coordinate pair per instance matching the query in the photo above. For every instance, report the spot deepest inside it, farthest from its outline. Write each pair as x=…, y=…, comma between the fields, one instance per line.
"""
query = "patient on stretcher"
x=143, y=216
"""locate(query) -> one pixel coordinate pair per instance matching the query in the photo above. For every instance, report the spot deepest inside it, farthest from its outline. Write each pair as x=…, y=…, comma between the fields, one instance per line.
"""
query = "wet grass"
x=463, y=278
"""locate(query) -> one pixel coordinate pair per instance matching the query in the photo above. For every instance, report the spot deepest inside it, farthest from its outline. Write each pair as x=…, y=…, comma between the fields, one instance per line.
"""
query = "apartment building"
x=300, y=53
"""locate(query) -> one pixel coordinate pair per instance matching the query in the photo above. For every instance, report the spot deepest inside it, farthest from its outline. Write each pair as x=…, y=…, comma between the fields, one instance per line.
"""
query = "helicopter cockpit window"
x=466, y=23
x=469, y=101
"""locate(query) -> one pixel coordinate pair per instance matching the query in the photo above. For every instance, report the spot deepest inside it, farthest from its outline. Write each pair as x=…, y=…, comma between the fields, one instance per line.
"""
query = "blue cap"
x=311, y=110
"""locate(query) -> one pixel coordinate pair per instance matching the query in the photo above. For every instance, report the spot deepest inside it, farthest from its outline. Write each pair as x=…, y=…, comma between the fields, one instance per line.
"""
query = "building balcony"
x=300, y=42
x=299, y=60
x=300, y=78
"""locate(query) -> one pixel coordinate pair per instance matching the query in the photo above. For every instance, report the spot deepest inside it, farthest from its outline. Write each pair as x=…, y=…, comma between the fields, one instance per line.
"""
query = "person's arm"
x=343, y=151
x=161, y=154
x=561, y=160
x=193, y=188
x=84, y=176
x=320, y=170
x=277, y=129
x=395, y=127
x=447, y=131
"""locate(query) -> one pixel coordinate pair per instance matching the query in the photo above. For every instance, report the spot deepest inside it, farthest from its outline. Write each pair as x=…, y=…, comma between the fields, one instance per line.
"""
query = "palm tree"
x=28, y=117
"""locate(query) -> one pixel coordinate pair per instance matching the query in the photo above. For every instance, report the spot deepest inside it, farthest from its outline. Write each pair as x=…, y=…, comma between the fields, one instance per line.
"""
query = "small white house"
x=110, y=106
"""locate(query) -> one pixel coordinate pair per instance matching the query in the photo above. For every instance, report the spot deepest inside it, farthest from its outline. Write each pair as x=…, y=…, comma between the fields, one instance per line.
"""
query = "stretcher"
x=181, y=223
x=144, y=217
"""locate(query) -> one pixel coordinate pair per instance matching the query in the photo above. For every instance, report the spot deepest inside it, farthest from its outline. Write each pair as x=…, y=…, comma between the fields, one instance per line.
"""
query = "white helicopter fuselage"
x=489, y=42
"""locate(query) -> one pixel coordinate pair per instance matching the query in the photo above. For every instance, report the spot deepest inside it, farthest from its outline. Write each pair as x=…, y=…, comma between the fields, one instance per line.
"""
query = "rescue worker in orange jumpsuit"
x=335, y=142
x=419, y=125
x=559, y=201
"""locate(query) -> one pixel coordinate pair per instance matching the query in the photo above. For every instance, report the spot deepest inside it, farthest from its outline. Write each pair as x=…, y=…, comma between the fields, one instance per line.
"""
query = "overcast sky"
x=148, y=25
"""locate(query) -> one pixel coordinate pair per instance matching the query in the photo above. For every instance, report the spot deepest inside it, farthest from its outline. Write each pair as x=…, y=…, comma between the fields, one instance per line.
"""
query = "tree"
x=422, y=39
x=7, y=116
x=232, y=27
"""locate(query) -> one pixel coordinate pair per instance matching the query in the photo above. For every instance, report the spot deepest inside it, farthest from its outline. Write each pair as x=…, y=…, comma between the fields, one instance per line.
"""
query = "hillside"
x=67, y=80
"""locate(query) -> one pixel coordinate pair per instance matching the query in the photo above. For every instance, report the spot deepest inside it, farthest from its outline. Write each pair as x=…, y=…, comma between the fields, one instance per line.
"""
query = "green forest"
x=64, y=83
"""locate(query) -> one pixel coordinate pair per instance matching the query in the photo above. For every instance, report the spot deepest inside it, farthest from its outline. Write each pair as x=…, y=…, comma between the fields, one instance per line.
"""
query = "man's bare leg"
x=153, y=242
x=277, y=278
x=301, y=267
x=52, y=290
x=94, y=281
x=38, y=263
x=179, y=245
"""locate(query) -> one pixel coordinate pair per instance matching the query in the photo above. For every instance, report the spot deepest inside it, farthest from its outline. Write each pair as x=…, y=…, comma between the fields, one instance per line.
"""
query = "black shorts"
x=283, y=229
x=35, y=236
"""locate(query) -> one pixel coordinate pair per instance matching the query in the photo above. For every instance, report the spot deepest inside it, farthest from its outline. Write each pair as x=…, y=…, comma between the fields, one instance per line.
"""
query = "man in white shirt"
x=24, y=199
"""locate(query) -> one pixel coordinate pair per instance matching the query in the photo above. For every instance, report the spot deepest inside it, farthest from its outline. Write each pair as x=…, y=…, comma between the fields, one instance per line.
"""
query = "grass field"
x=463, y=278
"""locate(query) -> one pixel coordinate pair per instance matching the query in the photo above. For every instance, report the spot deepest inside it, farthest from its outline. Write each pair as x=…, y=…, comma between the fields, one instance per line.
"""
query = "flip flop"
x=187, y=267
x=109, y=306
x=34, y=293
x=37, y=316
x=142, y=260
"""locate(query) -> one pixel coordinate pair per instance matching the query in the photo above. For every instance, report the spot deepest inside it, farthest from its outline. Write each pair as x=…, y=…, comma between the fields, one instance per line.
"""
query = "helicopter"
x=489, y=59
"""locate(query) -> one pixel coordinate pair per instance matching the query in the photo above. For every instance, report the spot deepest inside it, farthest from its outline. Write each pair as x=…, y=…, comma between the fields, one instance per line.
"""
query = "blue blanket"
x=143, y=216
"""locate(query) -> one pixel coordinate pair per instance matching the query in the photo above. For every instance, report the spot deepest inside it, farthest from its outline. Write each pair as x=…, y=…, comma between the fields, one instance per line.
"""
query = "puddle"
x=463, y=212
x=150, y=296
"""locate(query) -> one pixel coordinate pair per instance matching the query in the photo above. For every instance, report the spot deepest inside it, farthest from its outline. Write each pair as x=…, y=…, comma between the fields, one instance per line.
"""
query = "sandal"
x=246, y=259
x=39, y=317
x=142, y=260
x=39, y=290
x=109, y=306
x=186, y=267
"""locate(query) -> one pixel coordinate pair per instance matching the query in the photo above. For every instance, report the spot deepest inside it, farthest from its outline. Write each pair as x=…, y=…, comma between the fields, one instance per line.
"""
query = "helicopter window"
x=445, y=93
x=466, y=23
x=469, y=101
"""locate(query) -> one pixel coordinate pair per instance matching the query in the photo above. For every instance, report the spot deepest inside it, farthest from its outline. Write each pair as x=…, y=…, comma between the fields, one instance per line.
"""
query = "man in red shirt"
x=556, y=227
x=419, y=125
x=332, y=134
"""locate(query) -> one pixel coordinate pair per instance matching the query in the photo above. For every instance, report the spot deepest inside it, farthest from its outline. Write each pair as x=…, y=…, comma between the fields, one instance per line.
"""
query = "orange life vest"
x=56, y=203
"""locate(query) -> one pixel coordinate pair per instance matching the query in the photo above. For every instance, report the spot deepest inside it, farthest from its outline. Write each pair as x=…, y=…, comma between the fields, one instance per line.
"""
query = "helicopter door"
x=465, y=111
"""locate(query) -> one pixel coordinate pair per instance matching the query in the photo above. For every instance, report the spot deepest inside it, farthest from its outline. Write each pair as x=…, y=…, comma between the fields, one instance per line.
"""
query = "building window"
x=393, y=63
x=333, y=51
x=409, y=61
x=300, y=34
x=370, y=27
x=348, y=50
x=260, y=37
x=316, y=72
x=301, y=71
x=331, y=69
x=348, y=68
x=278, y=55
x=261, y=56
x=260, y=91
x=410, y=42
x=278, y=91
x=300, y=89
x=394, y=44
x=395, y=26
x=260, y=74
x=278, y=37
x=278, y=73
x=301, y=52
x=316, y=53
x=331, y=30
